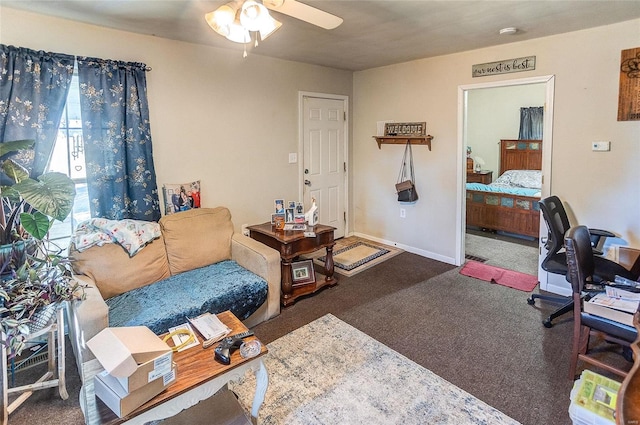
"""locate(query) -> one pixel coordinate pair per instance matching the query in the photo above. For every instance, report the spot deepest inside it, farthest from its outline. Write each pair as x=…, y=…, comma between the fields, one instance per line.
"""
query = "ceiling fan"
x=237, y=19
x=304, y=12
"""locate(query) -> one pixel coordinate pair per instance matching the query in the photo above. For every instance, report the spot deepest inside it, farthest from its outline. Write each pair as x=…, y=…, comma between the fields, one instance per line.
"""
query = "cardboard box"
x=122, y=351
x=108, y=389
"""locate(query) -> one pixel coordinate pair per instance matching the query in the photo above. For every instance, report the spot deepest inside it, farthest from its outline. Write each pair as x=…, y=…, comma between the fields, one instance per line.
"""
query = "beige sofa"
x=190, y=240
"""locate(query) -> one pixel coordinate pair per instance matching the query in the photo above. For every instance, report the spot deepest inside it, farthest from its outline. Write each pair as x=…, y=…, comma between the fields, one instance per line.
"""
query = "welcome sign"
x=504, y=67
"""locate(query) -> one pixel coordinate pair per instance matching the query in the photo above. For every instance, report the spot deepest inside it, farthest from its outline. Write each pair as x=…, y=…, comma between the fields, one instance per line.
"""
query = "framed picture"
x=181, y=196
x=302, y=272
x=279, y=204
x=289, y=215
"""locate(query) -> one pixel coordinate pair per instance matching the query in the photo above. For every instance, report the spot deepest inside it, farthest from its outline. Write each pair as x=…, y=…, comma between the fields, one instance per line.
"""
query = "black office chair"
x=555, y=261
x=581, y=269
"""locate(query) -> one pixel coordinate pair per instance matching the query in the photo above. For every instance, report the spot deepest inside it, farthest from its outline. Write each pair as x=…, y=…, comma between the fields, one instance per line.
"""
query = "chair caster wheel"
x=547, y=323
x=531, y=301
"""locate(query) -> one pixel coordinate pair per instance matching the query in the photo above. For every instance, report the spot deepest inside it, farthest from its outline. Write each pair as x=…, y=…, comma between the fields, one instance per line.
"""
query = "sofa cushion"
x=215, y=288
x=114, y=272
x=197, y=238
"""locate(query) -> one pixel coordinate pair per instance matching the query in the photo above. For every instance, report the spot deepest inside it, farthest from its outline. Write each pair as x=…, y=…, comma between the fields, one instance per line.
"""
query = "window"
x=68, y=158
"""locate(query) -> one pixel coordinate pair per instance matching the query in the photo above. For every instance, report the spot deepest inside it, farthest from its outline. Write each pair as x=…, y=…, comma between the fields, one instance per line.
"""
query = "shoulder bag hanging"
x=405, y=186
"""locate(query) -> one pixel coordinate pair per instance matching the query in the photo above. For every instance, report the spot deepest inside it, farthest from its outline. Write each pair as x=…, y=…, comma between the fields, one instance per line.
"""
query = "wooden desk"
x=291, y=244
x=628, y=406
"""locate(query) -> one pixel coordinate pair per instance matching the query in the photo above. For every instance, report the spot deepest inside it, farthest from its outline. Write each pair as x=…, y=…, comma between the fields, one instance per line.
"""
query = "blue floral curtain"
x=531, y=123
x=121, y=178
x=33, y=91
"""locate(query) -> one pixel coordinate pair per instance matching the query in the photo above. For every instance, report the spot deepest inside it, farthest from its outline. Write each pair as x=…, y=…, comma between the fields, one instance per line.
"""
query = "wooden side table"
x=484, y=177
x=291, y=244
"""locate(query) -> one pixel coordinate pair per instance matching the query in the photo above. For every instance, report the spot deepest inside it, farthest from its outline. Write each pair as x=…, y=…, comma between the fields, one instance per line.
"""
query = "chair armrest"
x=265, y=262
x=87, y=317
x=601, y=233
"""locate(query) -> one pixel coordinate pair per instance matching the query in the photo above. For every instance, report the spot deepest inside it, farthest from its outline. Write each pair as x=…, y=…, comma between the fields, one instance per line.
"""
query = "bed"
x=510, y=203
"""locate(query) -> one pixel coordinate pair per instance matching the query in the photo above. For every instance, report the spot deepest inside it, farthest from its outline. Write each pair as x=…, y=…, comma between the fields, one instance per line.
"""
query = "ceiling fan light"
x=269, y=27
x=220, y=19
x=238, y=34
x=253, y=15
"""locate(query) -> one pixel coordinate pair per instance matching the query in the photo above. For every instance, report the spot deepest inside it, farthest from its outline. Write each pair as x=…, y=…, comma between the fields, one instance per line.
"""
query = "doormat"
x=353, y=254
x=509, y=278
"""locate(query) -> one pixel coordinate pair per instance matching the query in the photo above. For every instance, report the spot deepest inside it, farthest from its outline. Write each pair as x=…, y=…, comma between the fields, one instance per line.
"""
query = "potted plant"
x=32, y=277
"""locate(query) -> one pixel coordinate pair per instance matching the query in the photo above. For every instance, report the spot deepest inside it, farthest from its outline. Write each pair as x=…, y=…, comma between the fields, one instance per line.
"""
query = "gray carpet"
x=483, y=338
x=508, y=255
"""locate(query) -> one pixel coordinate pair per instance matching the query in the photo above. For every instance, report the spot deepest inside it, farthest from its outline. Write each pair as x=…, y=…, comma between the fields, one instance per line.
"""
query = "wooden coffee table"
x=199, y=377
x=291, y=244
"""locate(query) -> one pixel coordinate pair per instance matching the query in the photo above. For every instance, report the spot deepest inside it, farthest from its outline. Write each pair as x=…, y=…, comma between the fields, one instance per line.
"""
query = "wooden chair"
x=628, y=406
x=580, y=265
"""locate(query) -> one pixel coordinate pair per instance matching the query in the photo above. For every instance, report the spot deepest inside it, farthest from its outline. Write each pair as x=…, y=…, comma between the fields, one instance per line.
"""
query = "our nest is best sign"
x=504, y=66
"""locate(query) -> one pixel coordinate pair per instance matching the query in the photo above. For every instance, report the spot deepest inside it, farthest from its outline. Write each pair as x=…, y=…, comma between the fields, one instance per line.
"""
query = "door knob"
x=307, y=182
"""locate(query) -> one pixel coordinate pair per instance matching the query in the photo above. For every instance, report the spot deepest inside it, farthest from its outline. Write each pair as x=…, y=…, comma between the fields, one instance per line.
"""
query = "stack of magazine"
x=616, y=304
x=210, y=327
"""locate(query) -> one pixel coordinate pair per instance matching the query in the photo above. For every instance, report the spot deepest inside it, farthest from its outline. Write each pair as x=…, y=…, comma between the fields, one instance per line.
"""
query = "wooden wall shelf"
x=402, y=140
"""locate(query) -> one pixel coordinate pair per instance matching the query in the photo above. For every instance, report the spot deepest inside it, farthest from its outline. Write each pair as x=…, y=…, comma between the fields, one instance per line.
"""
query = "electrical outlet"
x=293, y=158
x=601, y=146
x=403, y=213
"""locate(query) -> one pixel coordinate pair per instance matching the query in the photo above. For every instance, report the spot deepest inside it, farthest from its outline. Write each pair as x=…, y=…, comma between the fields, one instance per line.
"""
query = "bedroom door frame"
x=547, y=146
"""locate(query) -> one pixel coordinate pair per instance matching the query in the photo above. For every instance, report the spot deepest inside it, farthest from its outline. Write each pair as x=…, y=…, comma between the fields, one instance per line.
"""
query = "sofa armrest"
x=265, y=262
x=87, y=317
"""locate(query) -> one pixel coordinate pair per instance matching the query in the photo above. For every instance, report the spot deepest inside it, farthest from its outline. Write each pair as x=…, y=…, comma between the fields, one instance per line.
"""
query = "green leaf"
x=15, y=171
x=36, y=224
x=52, y=194
x=15, y=145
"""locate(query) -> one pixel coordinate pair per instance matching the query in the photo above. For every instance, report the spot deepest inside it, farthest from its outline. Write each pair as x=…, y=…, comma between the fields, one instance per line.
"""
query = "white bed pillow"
x=531, y=179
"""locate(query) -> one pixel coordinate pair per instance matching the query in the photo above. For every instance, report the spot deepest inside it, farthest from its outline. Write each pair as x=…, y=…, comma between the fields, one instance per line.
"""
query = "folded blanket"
x=132, y=235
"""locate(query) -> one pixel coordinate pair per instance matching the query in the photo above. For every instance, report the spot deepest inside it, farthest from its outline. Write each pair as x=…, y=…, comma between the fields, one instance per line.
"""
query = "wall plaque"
x=405, y=129
x=504, y=67
x=629, y=93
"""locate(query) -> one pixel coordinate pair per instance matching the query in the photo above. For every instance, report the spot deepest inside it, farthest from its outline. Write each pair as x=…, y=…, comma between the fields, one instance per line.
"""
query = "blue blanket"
x=167, y=303
x=498, y=188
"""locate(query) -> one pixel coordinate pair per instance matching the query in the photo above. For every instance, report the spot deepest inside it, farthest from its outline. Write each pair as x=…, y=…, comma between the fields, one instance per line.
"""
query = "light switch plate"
x=293, y=158
x=601, y=146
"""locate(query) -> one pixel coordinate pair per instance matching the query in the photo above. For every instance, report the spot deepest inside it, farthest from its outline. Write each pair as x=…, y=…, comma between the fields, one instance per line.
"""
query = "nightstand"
x=484, y=177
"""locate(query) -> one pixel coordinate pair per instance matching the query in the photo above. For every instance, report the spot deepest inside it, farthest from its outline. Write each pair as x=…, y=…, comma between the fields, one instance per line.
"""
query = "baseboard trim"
x=411, y=249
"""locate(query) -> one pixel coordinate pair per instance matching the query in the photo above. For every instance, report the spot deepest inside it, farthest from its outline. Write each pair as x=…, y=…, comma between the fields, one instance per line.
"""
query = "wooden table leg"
x=328, y=264
x=287, y=284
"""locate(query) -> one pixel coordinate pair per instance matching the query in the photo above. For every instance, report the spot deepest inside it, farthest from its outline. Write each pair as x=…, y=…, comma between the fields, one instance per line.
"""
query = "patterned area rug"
x=353, y=254
x=328, y=372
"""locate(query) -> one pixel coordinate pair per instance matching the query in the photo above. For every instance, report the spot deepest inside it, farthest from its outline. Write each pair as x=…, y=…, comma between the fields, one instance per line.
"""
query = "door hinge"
x=344, y=215
x=344, y=166
x=344, y=115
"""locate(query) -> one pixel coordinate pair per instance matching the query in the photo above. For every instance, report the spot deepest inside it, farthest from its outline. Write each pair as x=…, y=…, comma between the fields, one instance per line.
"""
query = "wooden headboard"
x=520, y=155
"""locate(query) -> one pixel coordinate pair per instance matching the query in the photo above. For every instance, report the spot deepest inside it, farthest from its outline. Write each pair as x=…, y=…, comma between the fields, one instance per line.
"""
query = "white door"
x=324, y=162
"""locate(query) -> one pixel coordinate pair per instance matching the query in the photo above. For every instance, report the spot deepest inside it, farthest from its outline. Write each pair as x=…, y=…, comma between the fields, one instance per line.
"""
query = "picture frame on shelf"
x=273, y=217
x=302, y=273
x=289, y=215
x=279, y=206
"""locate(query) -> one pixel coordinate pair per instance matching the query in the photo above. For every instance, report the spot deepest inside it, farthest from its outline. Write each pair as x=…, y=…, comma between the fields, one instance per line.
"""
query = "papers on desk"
x=180, y=339
x=617, y=309
x=210, y=327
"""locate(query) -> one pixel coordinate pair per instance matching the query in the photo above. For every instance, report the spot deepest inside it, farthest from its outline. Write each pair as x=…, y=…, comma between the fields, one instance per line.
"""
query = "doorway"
x=546, y=84
x=323, y=147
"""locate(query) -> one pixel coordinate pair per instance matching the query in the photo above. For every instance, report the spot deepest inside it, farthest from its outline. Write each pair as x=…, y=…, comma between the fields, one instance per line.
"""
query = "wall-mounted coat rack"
x=402, y=140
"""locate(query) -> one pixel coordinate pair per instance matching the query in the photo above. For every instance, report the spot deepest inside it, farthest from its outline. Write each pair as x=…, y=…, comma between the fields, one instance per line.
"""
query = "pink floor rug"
x=510, y=278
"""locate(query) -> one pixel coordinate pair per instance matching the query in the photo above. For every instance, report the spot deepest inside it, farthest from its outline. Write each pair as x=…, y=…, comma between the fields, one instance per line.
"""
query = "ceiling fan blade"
x=304, y=12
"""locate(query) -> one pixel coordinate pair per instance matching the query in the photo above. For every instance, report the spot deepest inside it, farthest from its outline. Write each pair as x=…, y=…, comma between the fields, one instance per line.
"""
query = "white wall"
x=227, y=121
x=231, y=123
x=600, y=189
x=494, y=114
